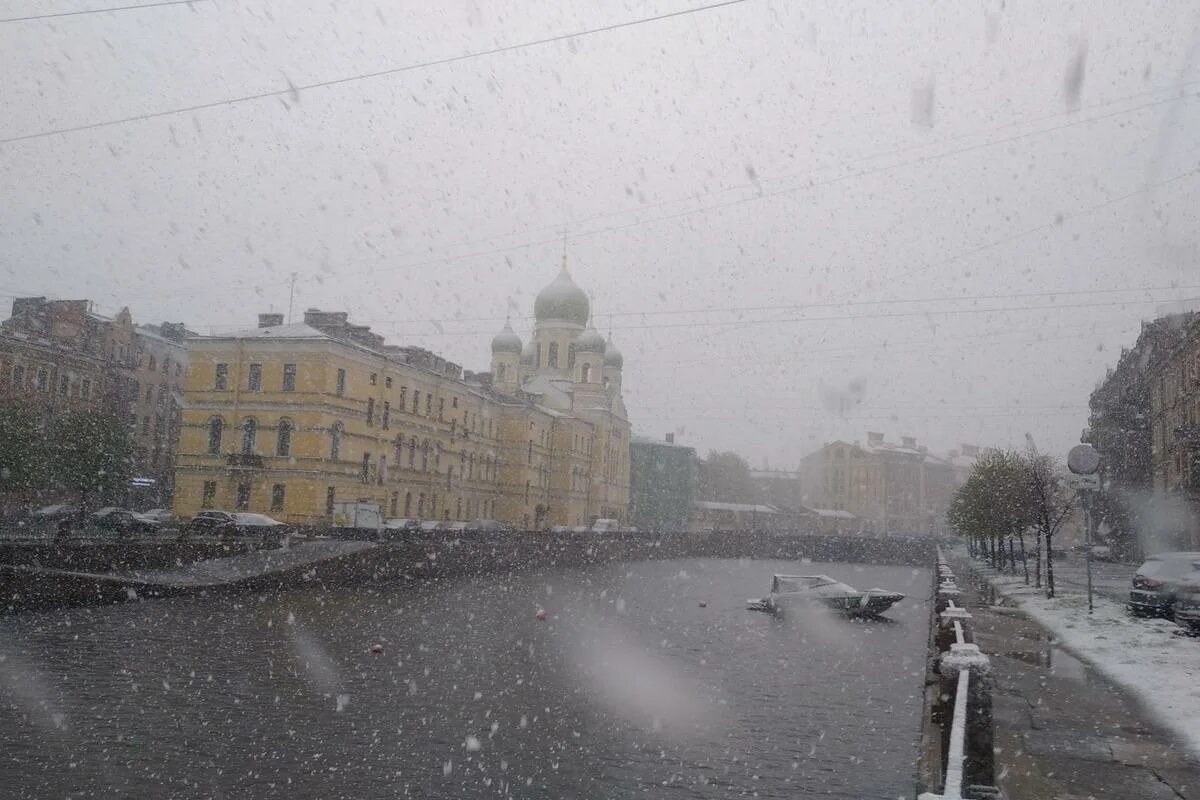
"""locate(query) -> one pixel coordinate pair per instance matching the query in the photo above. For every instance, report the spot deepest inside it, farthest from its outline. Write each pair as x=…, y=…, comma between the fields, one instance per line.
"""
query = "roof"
x=294, y=330
x=646, y=441
x=712, y=505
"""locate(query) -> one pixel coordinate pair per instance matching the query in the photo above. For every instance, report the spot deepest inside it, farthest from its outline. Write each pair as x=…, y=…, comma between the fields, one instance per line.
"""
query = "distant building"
x=289, y=419
x=712, y=516
x=1120, y=428
x=662, y=483
x=1175, y=434
x=57, y=354
x=778, y=487
x=887, y=487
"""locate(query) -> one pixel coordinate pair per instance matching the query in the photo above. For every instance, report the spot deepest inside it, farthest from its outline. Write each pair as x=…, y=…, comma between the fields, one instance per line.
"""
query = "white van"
x=605, y=526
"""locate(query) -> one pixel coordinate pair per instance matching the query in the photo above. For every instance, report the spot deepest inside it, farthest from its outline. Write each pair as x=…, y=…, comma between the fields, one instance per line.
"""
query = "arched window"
x=335, y=441
x=249, y=436
x=283, y=441
x=585, y=374
x=408, y=504
x=500, y=373
x=571, y=356
x=421, y=505
x=412, y=452
x=399, y=445
x=437, y=459
x=425, y=456
x=552, y=357
x=471, y=467
x=216, y=428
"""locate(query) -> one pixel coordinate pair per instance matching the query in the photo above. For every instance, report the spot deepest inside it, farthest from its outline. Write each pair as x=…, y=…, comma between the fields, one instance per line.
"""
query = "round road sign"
x=1083, y=460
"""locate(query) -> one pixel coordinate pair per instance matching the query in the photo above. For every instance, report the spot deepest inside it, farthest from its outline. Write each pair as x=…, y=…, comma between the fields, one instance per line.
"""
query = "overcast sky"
x=748, y=192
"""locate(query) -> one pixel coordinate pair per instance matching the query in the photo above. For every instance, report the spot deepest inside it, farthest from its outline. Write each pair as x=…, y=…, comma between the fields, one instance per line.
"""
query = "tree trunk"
x=1049, y=569
x=1024, y=561
x=1012, y=556
x=1037, y=561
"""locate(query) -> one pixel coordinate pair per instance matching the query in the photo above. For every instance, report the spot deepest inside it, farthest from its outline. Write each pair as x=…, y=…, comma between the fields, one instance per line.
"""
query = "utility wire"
x=292, y=90
x=100, y=10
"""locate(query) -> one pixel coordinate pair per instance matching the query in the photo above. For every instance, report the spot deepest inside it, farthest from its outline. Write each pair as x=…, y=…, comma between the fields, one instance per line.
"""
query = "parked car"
x=244, y=520
x=121, y=520
x=1156, y=581
x=56, y=511
x=1187, y=603
x=430, y=525
x=402, y=524
x=560, y=528
x=605, y=526
x=212, y=522
x=162, y=516
x=581, y=529
x=489, y=526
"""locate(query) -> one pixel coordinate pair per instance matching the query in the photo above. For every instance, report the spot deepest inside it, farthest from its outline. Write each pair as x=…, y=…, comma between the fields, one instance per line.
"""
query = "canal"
x=646, y=679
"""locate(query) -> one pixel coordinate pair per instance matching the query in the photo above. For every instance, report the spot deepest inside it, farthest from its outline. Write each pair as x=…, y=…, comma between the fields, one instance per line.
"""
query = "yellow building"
x=288, y=419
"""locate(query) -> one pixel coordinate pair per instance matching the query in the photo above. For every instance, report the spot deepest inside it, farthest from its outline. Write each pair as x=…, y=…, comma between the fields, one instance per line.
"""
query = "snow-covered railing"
x=959, y=659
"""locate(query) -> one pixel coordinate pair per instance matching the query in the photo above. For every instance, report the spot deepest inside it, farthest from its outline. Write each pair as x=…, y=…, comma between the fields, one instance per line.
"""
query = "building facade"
x=290, y=419
x=888, y=487
x=1120, y=429
x=1175, y=437
x=663, y=478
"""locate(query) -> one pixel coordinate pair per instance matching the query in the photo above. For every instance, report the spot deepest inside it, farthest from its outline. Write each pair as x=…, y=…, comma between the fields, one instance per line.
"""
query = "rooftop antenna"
x=291, y=297
x=564, y=235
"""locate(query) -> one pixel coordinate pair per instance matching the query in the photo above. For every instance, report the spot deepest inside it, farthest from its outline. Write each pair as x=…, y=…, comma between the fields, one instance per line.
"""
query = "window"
x=221, y=377
x=454, y=402
x=145, y=426
x=64, y=385
x=18, y=376
x=85, y=389
x=149, y=393
x=387, y=413
x=277, y=493
x=283, y=438
x=289, y=377
x=412, y=452
x=335, y=441
x=341, y=382
x=437, y=459
x=166, y=362
x=178, y=369
x=500, y=373
x=441, y=408
x=399, y=446
x=209, y=496
x=370, y=412
x=216, y=428
x=408, y=504
x=152, y=364
x=394, y=503
x=552, y=356
x=249, y=436
x=374, y=379
x=243, y=497
x=425, y=456
x=387, y=382
x=458, y=509
x=381, y=477
x=585, y=374
x=330, y=494
x=42, y=377
x=403, y=404
x=254, y=378
x=364, y=473
x=421, y=505
x=571, y=356
x=416, y=401
x=428, y=404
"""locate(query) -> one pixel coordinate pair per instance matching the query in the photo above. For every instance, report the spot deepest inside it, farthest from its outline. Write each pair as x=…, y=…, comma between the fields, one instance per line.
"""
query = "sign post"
x=1084, y=462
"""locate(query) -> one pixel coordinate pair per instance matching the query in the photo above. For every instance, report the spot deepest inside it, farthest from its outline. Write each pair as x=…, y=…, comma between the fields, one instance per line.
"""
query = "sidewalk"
x=1063, y=730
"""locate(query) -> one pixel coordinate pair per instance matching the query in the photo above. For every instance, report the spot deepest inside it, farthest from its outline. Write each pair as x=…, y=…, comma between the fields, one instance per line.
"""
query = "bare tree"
x=1051, y=503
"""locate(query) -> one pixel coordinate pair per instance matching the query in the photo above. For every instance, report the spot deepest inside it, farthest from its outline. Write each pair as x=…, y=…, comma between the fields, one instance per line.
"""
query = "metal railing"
x=963, y=657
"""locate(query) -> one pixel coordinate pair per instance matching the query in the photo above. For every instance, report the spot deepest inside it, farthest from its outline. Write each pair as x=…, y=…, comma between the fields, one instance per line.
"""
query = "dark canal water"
x=630, y=688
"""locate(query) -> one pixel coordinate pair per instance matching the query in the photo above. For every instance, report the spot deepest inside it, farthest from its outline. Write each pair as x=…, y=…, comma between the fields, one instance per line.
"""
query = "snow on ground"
x=1143, y=656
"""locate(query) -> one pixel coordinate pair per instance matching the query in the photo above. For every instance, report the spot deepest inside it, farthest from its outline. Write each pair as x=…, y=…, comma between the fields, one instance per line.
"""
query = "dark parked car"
x=1156, y=582
x=1187, y=603
x=212, y=522
x=121, y=520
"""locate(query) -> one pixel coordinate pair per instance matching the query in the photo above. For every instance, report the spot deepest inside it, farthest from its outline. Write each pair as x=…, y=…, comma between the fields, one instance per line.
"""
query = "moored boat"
x=793, y=590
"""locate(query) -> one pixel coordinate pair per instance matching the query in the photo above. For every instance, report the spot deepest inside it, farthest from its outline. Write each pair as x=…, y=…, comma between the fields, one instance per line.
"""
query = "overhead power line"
x=291, y=90
x=109, y=10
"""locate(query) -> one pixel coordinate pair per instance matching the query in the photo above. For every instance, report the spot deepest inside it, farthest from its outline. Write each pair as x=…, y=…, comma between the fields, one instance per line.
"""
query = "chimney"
x=909, y=441
x=269, y=320
x=670, y=438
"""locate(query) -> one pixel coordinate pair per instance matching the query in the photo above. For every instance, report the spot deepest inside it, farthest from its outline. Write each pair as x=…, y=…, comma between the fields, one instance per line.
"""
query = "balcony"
x=244, y=461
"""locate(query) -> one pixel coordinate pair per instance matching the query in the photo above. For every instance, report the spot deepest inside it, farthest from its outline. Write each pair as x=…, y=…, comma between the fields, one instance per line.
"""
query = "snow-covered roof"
x=294, y=330
x=833, y=513
x=712, y=505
